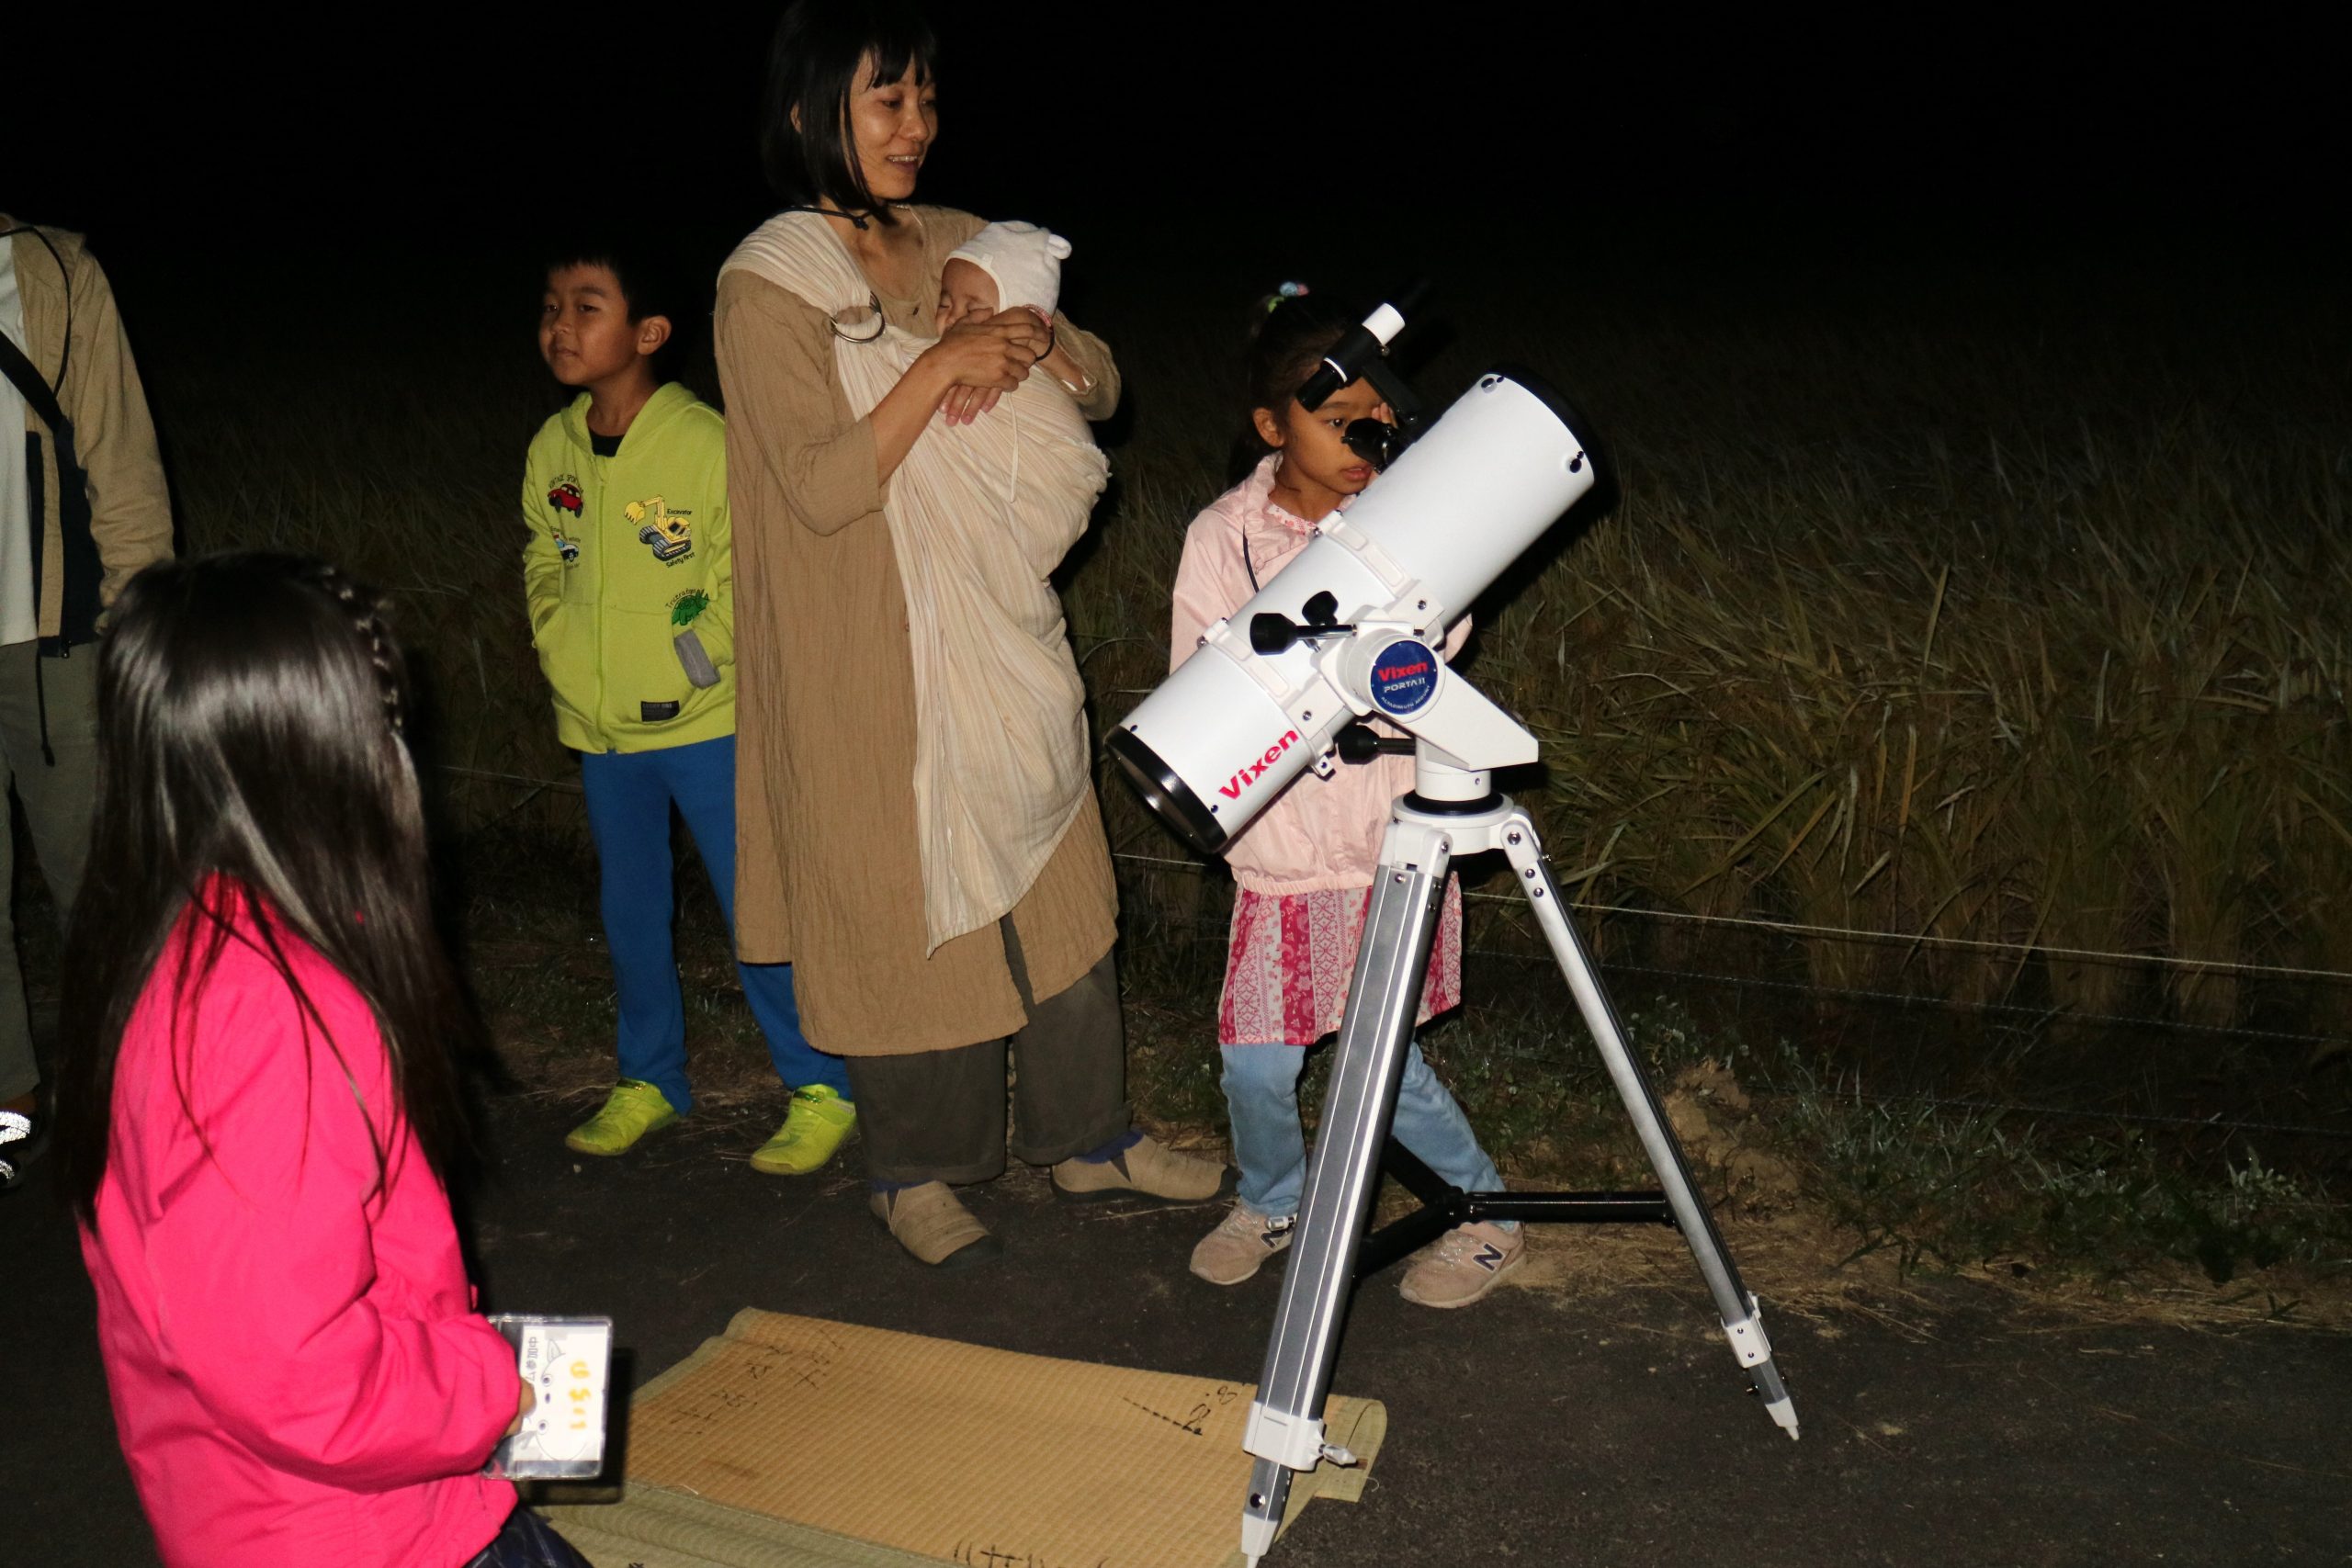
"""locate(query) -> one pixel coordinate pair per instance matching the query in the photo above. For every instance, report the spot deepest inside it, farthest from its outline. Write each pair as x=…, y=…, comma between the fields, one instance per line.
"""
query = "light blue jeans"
x=1270, y=1146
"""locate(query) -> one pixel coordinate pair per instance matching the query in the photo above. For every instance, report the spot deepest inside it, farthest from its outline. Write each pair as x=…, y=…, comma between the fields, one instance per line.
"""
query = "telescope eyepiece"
x=1376, y=441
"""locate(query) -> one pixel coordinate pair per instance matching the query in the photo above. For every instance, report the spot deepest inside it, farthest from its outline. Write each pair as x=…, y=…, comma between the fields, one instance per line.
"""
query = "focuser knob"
x=1359, y=742
x=1273, y=632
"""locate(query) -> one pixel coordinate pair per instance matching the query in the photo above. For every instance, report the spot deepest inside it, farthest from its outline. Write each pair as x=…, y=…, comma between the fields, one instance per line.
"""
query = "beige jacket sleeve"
x=775, y=362
x=1101, y=399
x=130, y=508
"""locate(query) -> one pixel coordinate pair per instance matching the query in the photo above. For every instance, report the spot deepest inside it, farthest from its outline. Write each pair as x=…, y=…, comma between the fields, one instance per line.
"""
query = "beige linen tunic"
x=829, y=876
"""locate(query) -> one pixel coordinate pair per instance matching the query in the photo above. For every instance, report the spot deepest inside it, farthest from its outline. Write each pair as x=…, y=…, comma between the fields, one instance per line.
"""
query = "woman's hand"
x=522, y=1403
x=985, y=359
x=974, y=362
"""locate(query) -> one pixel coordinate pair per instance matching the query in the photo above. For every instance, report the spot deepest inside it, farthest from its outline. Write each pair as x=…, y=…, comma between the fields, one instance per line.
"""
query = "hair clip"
x=1287, y=291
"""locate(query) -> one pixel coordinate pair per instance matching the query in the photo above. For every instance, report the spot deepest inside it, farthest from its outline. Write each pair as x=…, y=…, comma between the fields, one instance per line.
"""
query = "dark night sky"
x=396, y=148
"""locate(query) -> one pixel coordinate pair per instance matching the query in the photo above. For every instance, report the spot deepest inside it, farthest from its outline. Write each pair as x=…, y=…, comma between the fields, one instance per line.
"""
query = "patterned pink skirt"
x=1293, y=955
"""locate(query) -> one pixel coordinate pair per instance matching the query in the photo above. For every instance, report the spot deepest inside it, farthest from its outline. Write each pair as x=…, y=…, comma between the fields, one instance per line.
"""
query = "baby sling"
x=979, y=515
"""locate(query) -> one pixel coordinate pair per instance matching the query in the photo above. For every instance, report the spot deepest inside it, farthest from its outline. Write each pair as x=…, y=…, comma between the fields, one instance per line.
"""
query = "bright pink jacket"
x=1319, y=833
x=298, y=1374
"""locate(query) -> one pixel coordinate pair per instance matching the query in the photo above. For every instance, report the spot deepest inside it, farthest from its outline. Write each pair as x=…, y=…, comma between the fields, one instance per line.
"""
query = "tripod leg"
x=1742, y=1318
x=1286, y=1430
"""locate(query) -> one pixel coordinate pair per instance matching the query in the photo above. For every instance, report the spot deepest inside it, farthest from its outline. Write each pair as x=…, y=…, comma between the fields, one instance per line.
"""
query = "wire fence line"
x=1786, y=928
x=1950, y=1004
x=1799, y=927
x=562, y=787
x=1214, y=929
x=2136, y=1118
x=1210, y=929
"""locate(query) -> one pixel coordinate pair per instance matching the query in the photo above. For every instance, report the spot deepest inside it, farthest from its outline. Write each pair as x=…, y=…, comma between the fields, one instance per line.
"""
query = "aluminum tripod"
x=1427, y=832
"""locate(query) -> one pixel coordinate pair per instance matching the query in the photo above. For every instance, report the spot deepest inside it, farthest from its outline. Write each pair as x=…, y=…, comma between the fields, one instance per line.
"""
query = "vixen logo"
x=1251, y=772
x=1405, y=681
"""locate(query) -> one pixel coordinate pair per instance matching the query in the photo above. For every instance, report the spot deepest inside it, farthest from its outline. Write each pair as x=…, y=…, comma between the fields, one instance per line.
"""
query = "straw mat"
x=793, y=1442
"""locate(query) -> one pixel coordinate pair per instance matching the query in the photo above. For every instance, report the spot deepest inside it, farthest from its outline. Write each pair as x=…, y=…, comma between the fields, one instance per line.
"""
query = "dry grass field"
x=1979, y=641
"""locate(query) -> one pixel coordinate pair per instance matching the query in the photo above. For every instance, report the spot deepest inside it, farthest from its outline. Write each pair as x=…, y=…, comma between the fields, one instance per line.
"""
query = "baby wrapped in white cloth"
x=980, y=514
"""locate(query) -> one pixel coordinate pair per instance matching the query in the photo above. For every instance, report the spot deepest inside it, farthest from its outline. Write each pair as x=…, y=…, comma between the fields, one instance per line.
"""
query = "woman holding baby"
x=918, y=834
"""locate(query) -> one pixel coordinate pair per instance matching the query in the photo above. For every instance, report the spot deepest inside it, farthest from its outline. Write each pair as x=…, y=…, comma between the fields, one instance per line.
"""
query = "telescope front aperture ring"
x=1169, y=797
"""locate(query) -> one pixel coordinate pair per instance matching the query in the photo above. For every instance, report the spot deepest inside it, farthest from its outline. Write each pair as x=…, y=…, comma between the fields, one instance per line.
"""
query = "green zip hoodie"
x=624, y=553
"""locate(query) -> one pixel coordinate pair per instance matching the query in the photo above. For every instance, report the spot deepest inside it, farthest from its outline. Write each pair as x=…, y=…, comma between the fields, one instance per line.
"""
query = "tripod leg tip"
x=1257, y=1537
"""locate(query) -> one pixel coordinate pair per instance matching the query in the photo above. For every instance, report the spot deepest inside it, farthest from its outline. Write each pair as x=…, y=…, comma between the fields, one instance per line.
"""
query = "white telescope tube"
x=1228, y=732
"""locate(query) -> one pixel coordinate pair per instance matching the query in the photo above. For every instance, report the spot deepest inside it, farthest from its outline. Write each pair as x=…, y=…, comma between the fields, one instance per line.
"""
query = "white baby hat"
x=1025, y=259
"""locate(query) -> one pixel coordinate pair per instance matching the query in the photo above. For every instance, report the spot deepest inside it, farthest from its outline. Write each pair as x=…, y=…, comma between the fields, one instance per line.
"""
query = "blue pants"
x=629, y=796
x=1270, y=1146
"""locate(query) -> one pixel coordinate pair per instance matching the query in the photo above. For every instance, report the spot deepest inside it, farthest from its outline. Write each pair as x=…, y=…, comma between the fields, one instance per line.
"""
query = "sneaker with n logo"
x=1463, y=1265
x=1242, y=1240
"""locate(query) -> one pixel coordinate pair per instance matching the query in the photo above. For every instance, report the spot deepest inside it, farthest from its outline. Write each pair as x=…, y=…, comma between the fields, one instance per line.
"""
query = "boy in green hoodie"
x=625, y=572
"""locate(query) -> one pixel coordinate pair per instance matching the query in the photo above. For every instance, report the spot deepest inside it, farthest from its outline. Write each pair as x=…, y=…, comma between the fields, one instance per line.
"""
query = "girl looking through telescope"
x=1305, y=867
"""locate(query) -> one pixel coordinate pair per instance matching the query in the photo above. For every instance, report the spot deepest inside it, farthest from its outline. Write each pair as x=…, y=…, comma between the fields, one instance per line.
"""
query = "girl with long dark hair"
x=258, y=1106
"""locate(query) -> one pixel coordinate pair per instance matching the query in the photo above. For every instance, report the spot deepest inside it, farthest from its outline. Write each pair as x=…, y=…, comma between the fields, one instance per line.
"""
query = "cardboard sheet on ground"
x=793, y=1440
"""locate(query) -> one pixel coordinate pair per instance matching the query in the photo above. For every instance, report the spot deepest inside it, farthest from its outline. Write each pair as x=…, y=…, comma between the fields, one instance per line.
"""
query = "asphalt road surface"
x=1599, y=1420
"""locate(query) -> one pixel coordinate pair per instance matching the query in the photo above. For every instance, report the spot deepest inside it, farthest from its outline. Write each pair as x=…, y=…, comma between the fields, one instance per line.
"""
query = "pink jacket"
x=297, y=1371
x=1321, y=832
